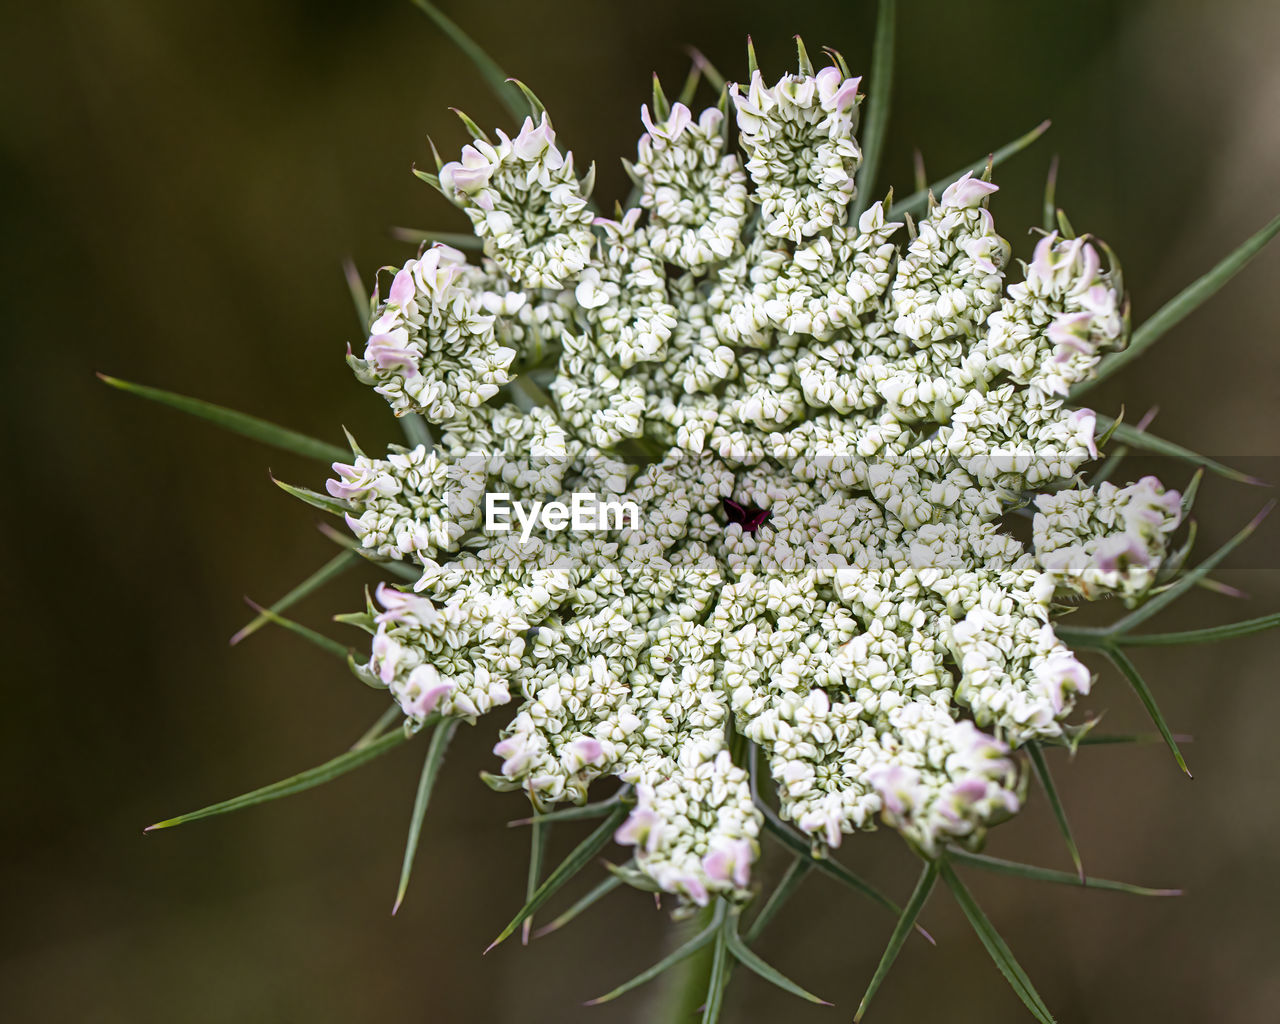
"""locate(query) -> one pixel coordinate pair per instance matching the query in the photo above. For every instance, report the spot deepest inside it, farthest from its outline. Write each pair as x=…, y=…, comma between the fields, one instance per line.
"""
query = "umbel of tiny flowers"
x=827, y=406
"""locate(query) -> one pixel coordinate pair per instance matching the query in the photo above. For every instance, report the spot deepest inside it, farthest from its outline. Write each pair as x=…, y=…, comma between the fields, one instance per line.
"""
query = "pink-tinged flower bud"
x=391, y=352
x=1072, y=332
x=692, y=886
x=583, y=751
x=967, y=192
x=468, y=174
x=400, y=604
x=352, y=484
x=402, y=290
x=1042, y=261
x=896, y=785
x=642, y=828
x=1119, y=551
x=1083, y=426
x=835, y=92
x=431, y=690
x=729, y=859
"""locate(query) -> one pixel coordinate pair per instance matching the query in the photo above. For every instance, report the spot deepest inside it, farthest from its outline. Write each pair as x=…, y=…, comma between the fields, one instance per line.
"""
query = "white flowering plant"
x=870, y=499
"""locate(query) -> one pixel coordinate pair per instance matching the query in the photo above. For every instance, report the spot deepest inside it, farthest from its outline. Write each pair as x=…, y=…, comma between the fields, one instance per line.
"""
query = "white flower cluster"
x=413, y=503
x=1112, y=541
x=431, y=349
x=801, y=151
x=824, y=423
x=1053, y=327
x=453, y=659
x=694, y=192
x=525, y=203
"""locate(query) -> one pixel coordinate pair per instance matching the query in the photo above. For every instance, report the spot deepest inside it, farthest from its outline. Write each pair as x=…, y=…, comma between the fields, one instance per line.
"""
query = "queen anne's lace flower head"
x=824, y=420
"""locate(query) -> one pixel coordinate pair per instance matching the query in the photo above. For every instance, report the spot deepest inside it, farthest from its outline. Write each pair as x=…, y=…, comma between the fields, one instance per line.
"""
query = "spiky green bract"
x=1038, y=874
x=740, y=952
x=1208, y=635
x=418, y=236
x=313, y=498
x=876, y=121
x=789, y=883
x=385, y=720
x=681, y=953
x=312, y=777
x=298, y=629
x=924, y=886
x=594, y=810
x=720, y=968
x=570, y=866
x=331, y=569
x=1130, y=672
x=539, y=837
x=396, y=568
x=995, y=945
x=492, y=74
x=1148, y=442
x=1059, y=812
x=1050, y=195
x=236, y=422
x=440, y=738
x=1185, y=582
x=602, y=889
x=1180, y=306
x=917, y=200
x=800, y=846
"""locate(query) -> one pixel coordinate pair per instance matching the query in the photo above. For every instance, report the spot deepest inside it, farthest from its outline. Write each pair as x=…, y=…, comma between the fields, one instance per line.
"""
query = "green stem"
x=687, y=986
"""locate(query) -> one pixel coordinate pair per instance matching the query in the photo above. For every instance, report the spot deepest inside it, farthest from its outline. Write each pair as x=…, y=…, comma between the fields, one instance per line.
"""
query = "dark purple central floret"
x=748, y=517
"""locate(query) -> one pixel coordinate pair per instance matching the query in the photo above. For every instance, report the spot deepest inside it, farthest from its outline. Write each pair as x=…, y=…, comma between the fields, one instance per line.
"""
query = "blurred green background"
x=181, y=183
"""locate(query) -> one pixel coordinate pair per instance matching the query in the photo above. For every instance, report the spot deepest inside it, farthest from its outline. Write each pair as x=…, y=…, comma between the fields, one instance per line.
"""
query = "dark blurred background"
x=181, y=184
